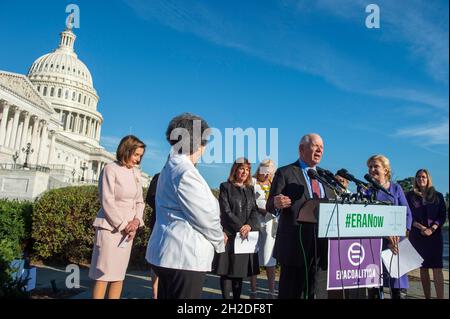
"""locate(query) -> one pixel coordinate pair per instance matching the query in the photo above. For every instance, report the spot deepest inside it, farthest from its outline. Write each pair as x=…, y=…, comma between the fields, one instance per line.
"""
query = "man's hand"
x=281, y=201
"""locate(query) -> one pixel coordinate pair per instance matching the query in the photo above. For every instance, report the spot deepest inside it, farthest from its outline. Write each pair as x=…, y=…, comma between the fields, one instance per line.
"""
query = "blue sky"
x=297, y=65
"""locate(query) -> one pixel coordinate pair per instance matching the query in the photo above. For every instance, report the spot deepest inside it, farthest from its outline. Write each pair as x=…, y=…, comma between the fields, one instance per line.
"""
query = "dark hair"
x=236, y=165
x=127, y=146
x=187, y=132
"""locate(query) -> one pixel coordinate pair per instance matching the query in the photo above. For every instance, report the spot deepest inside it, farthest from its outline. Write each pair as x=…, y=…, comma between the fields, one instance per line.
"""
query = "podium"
x=354, y=233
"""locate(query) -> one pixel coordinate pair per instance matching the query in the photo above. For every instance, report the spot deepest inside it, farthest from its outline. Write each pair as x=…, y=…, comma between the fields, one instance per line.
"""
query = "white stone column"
x=43, y=143
x=77, y=123
x=30, y=134
x=9, y=129
x=69, y=122
x=74, y=122
x=19, y=136
x=80, y=125
x=52, y=147
x=88, y=127
x=93, y=128
x=61, y=112
x=80, y=129
x=91, y=170
x=26, y=123
x=34, y=139
x=98, y=131
x=5, y=114
x=66, y=121
x=15, y=125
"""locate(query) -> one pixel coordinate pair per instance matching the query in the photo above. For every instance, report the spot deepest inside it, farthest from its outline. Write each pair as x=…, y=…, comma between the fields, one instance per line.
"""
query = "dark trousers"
x=179, y=284
x=231, y=285
x=296, y=282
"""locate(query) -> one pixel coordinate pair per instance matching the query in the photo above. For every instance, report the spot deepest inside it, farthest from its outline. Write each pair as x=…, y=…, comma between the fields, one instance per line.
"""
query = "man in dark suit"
x=297, y=248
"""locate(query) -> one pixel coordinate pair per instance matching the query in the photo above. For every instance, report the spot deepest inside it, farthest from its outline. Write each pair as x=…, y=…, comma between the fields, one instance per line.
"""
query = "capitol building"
x=49, y=125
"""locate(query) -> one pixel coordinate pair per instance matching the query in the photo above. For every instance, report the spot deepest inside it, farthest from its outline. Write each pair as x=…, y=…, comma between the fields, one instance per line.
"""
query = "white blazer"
x=187, y=229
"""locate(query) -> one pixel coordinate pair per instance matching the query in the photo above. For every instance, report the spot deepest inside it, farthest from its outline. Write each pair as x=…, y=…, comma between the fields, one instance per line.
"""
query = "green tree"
x=215, y=192
x=407, y=184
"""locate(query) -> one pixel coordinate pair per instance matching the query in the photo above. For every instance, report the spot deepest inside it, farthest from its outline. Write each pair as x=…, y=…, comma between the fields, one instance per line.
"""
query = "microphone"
x=330, y=177
x=312, y=173
x=377, y=185
x=345, y=174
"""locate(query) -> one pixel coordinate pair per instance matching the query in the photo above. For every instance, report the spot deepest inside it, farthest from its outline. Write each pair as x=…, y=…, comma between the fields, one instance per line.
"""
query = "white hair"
x=306, y=139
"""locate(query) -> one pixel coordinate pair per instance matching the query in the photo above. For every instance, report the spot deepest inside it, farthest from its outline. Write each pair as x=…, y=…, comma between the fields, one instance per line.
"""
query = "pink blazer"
x=120, y=191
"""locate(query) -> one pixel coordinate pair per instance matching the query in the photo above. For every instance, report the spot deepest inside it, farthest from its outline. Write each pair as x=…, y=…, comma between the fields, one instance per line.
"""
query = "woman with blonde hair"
x=238, y=216
x=429, y=214
x=380, y=170
x=262, y=180
x=120, y=215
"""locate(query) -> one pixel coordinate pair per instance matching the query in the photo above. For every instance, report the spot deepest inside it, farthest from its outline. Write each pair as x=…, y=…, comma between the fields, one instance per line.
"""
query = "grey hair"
x=306, y=139
x=187, y=132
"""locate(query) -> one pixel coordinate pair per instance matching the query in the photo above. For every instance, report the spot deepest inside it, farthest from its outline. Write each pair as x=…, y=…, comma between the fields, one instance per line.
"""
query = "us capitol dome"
x=49, y=125
x=66, y=82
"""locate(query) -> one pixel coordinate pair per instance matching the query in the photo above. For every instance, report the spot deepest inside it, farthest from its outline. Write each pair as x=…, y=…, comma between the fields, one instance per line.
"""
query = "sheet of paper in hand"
x=248, y=245
x=124, y=242
x=405, y=261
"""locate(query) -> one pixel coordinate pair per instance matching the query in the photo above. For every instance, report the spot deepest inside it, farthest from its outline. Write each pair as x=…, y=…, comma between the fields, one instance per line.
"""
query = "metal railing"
x=39, y=168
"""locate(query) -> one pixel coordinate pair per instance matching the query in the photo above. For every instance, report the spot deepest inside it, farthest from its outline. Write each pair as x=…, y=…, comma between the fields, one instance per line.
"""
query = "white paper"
x=248, y=245
x=124, y=242
x=408, y=259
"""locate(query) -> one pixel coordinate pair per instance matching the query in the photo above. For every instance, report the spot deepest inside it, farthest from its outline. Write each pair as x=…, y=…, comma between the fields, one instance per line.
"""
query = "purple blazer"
x=434, y=212
x=399, y=199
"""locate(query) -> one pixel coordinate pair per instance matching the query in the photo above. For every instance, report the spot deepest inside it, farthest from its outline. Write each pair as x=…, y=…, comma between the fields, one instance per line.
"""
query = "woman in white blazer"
x=187, y=230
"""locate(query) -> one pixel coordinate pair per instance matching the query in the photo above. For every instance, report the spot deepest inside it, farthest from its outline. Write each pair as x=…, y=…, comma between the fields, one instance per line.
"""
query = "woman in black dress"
x=429, y=214
x=238, y=215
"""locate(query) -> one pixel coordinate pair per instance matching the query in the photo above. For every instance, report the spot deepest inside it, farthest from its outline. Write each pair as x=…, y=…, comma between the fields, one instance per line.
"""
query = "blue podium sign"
x=353, y=220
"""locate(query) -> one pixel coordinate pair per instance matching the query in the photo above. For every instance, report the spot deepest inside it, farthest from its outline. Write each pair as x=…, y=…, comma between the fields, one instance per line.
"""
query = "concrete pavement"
x=138, y=284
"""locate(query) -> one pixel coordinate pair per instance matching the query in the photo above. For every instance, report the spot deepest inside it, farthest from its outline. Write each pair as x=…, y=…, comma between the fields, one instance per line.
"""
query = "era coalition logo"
x=356, y=254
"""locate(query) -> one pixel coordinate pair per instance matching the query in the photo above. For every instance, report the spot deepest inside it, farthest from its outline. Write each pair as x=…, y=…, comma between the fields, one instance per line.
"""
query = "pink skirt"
x=109, y=261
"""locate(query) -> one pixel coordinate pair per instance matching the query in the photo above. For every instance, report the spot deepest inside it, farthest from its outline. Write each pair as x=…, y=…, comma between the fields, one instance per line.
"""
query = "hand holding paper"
x=406, y=259
x=248, y=245
x=124, y=242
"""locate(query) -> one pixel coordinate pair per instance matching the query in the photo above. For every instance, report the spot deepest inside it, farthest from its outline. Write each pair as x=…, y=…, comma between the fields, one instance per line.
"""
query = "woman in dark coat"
x=429, y=214
x=238, y=214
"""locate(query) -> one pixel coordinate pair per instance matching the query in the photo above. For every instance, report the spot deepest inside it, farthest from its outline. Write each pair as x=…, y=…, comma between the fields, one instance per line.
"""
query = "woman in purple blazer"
x=380, y=170
x=429, y=214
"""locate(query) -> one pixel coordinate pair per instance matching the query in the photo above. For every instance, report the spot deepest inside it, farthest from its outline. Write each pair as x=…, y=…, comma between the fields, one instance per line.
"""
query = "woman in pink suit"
x=118, y=219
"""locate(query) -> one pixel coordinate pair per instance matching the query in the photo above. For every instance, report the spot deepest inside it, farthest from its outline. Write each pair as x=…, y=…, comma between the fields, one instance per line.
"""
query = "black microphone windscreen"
x=344, y=173
x=312, y=174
